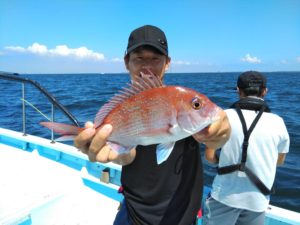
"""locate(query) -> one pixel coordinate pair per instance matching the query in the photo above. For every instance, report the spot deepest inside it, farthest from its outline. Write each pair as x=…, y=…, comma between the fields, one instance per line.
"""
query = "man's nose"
x=146, y=66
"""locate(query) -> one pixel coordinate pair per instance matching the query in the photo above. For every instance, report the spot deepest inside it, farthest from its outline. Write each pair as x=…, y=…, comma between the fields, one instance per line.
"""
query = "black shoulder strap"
x=246, y=132
x=242, y=166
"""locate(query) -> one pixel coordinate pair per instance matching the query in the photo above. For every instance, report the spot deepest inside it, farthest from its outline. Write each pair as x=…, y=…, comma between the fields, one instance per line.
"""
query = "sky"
x=90, y=36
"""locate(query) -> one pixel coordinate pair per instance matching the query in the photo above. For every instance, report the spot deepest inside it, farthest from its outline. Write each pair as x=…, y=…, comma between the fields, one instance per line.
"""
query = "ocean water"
x=84, y=94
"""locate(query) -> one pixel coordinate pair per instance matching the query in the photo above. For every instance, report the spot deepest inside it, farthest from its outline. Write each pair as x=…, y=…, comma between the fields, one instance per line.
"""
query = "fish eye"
x=196, y=103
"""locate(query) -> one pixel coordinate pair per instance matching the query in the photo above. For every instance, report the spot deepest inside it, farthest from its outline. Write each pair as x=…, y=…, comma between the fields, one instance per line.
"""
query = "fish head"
x=195, y=111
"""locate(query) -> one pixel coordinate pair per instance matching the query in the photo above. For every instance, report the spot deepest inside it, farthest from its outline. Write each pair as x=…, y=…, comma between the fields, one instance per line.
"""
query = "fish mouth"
x=205, y=125
x=195, y=129
x=216, y=115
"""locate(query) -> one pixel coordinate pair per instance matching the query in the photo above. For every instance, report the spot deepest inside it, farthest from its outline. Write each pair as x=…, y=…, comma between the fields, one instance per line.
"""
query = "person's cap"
x=148, y=35
x=251, y=79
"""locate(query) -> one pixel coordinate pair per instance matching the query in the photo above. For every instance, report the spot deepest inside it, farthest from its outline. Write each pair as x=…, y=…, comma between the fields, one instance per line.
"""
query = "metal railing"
x=54, y=102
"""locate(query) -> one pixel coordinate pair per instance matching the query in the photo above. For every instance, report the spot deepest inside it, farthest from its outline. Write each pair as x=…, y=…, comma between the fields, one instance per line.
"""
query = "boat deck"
x=36, y=190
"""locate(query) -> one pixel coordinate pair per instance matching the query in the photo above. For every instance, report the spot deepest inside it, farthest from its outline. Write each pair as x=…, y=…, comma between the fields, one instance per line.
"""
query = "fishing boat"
x=46, y=182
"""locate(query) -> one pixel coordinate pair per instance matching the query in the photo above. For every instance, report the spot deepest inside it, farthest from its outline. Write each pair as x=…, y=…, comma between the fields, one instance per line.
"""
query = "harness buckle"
x=245, y=144
x=242, y=167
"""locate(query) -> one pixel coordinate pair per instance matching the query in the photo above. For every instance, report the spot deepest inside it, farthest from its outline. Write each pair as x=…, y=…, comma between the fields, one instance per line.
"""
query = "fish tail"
x=63, y=129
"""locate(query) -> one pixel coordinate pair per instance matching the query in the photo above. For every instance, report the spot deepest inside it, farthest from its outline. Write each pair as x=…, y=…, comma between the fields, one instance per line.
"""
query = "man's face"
x=143, y=62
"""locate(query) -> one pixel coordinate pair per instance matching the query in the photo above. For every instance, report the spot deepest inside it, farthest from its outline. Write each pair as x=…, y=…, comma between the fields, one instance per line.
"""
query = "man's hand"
x=93, y=143
x=215, y=135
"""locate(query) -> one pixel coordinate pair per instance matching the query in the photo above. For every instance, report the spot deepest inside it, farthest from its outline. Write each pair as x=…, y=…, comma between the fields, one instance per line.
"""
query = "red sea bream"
x=147, y=112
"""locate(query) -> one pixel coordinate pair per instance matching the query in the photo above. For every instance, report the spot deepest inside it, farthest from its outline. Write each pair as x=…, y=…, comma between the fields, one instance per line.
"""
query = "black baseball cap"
x=251, y=79
x=148, y=35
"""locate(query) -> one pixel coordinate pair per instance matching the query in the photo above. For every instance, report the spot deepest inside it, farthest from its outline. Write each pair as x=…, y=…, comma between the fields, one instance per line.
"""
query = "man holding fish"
x=161, y=176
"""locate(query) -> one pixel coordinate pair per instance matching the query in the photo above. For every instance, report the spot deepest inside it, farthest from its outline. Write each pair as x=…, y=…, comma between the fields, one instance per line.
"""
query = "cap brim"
x=163, y=51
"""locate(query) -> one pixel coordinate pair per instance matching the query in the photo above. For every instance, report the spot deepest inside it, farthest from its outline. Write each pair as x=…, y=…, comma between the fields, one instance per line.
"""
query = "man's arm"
x=216, y=135
x=281, y=159
x=210, y=156
x=94, y=145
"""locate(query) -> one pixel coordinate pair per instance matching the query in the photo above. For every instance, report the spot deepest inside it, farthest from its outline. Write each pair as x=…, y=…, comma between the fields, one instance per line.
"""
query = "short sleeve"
x=284, y=144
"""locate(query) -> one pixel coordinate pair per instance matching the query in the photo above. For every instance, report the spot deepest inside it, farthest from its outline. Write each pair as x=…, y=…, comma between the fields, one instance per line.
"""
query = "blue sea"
x=84, y=94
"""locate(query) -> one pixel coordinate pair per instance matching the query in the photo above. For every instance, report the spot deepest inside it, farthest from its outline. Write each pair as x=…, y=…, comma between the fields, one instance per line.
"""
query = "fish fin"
x=66, y=138
x=118, y=148
x=163, y=151
x=137, y=86
x=61, y=128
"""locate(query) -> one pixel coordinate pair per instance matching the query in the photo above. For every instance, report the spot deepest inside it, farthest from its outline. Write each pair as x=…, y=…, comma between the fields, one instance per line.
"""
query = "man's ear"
x=168, y=62
x=166, y=67
x=240, y=92
x=126, y=60
x=264, y=92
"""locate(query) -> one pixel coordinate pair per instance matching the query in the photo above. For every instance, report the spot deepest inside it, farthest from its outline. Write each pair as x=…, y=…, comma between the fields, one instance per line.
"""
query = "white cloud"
x=298, y=59
x=15, y=48
x=36, y=48
x=81, y=52
x=59, y=50
x=180, y=62
x=117, y=60
x=186, y=63
x=248, y=58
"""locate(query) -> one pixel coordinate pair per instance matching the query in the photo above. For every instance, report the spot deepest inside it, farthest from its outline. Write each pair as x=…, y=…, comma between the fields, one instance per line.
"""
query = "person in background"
x=247, y=162
x=169, y=193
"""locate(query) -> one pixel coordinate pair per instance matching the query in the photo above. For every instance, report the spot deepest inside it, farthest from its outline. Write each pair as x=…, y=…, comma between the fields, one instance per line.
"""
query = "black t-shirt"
x=165, y=194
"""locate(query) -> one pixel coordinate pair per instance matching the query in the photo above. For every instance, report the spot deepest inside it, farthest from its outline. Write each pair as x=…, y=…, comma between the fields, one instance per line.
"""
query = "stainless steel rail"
x=54, y=102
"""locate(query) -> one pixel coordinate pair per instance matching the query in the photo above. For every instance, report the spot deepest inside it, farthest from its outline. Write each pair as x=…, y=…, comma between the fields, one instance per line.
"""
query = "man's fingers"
x=92, y=156
x=112, y=155
x=89, y=124
x=100, y=138
x=103, y=155
x=84, y=138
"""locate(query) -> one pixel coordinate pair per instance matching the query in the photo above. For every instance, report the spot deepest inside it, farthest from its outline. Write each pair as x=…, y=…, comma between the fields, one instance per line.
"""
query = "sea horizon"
x=113, y=73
